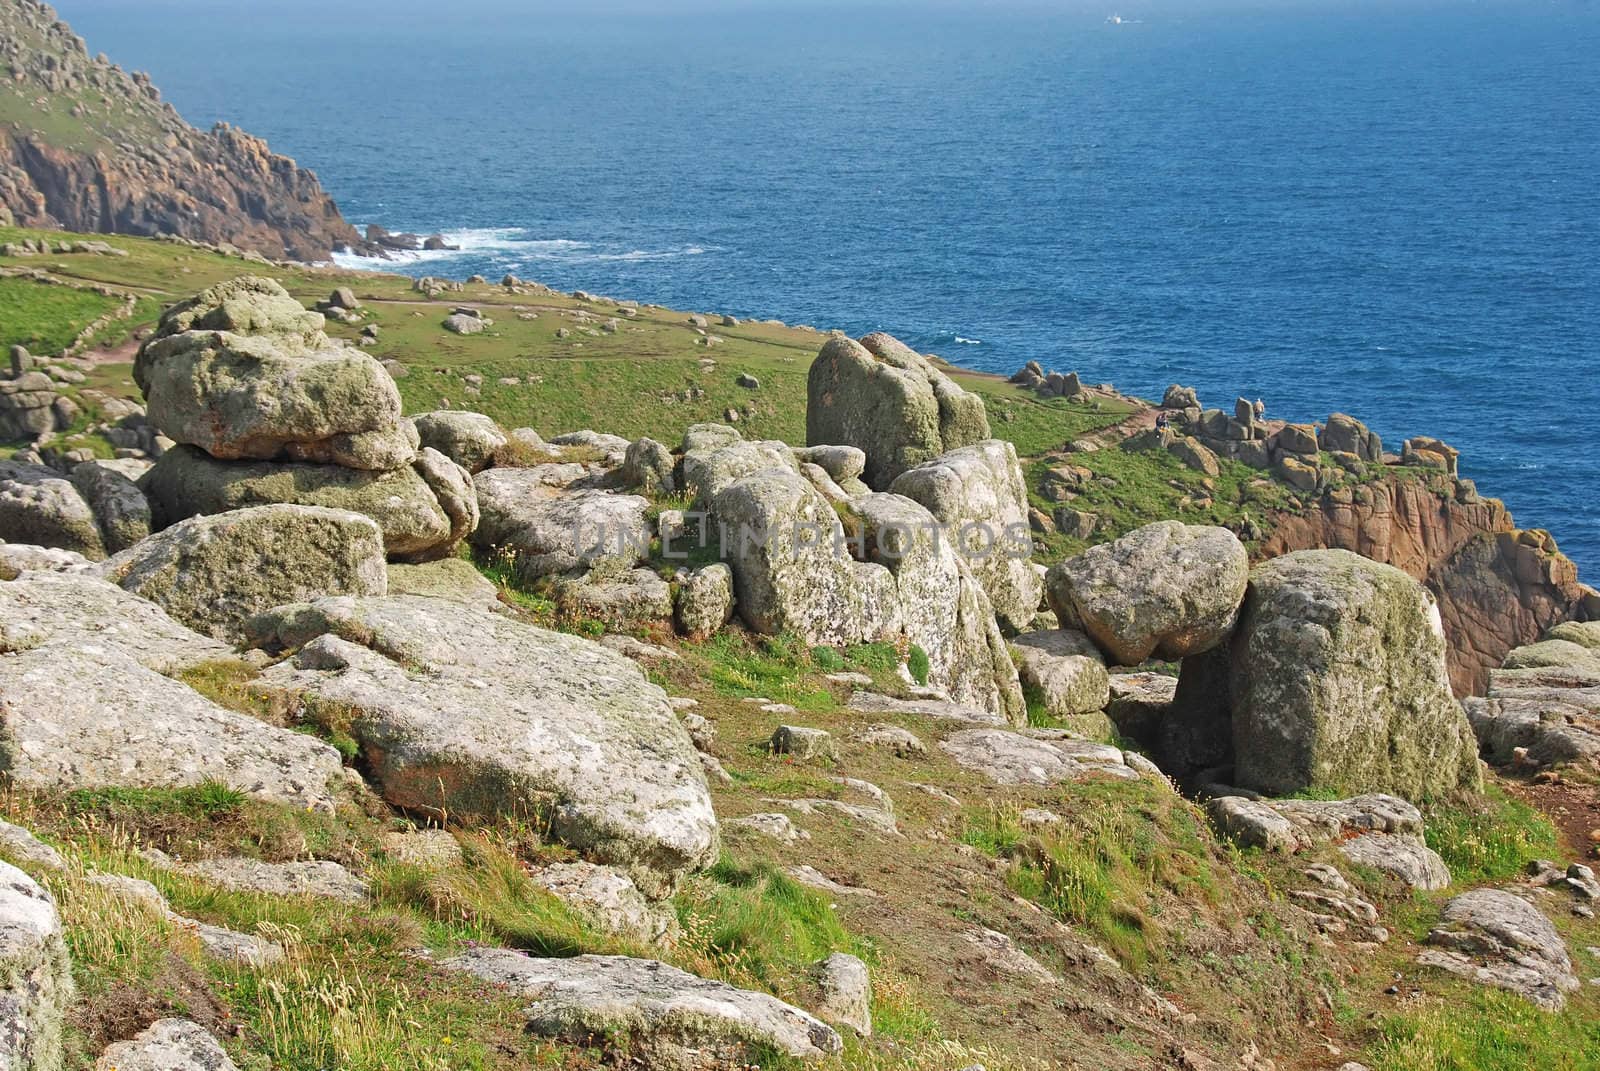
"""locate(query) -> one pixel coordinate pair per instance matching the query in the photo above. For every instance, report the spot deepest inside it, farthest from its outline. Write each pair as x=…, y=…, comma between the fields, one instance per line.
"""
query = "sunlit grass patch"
x=1476, y=1029
x=1490, y=837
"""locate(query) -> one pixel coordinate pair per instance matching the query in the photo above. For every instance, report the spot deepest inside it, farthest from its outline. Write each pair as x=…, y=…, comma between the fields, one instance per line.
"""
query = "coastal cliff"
x=1498, y=586
x=86, y=146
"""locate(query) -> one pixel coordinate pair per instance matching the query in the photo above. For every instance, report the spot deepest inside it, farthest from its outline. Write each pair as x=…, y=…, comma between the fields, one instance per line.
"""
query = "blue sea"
x=1387, y=209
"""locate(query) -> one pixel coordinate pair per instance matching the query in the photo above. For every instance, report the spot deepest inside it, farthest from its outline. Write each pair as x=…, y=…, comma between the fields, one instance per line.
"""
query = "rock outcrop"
x=704, y=601
x=470, y=713
x=469, y=439
x=213, y=573
x=978, y=495
x=84, y=704
x=39, y=506
x=809, y=559
x=244, y=372
x=667, y=1017
x=547, y=529
x=1543, y=707
x=609, y=899
x=36, y=986
x=889, y=401
x=1376, y=831
x=790, y=572
x=1066, y=669
x=120, y=509
x=30, y=406
x=167, y=1045
x=940, y=605
x=1037, y=757
x=1497, y=587
x=94, y=149
x=423, y=510
x=1498, y=939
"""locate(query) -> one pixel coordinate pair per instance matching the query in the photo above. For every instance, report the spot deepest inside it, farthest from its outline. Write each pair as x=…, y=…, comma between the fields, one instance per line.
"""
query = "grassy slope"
x=1132, y=869
x=97, y=127
x=46, y=318
x=634, y=382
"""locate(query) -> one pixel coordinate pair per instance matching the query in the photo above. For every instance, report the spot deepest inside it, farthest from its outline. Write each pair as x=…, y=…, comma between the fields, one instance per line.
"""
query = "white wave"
x=511, y=247
x=969, y=341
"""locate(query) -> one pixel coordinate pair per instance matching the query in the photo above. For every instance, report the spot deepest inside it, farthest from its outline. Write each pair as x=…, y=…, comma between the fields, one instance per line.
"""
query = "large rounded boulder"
x=39, y=506
x=1338, y=683
x=244, y=372
x=977, y=493
x=1167, y=589
x=469, y=439
x=889, y=401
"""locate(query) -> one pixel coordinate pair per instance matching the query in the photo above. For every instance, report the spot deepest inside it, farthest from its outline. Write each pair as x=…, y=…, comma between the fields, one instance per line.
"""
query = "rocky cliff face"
x=1498, y=587
x=88, y=147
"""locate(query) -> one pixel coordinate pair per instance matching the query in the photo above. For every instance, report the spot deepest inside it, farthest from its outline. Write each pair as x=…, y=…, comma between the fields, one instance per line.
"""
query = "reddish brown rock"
x=133, y=166
x=1498, y=587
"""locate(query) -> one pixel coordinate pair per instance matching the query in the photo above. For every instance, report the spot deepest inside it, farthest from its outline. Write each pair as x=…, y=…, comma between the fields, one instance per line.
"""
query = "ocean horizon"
x=1390, y=212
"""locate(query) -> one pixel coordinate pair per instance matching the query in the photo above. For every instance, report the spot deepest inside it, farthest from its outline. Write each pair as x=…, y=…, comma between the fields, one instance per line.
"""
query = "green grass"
x=1490, y=838
x=209, y=801
x=756, y=923
x=491, y=900
x=1108, y=864
x=46, y=318
x=654, y=360
x=1036, y=425
x=917, y=662
x=1475, y=1029
x=101, y=129
x=774, y=667
x=1129, y=489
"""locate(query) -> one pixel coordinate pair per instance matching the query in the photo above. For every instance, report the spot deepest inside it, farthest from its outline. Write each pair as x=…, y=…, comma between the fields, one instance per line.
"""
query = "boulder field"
x=281, y=610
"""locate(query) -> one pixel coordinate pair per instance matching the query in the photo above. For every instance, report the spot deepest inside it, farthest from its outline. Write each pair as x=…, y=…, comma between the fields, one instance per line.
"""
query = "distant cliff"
x=86, y=146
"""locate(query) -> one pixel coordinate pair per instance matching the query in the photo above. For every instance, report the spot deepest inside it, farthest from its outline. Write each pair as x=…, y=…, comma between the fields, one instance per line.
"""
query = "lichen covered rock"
x=84, y=704
x=791, y=569
x=41, y=507
x=890, y=402
x=417, y=523
x=120, y=509
x=978, y=495
x=667, y=1017
x=35, y=976
x=1338, y=683
x=471, y=713
x=244, y=372
x=1167, y=589
x=167, y=1045
x=549, y=530
x=213, y=573
x=941, y=607
x=468, y=439
x=705, y=601
x=1500, y=940
x=1066, y=669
